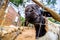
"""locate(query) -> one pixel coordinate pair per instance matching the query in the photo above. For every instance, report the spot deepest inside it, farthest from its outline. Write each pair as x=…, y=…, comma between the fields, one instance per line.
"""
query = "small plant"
x=51, y=19
x=54, y=21
x=22, y=19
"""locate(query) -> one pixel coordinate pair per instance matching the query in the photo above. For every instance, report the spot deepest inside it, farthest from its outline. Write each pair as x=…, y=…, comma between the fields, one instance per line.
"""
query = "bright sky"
x=58, y=4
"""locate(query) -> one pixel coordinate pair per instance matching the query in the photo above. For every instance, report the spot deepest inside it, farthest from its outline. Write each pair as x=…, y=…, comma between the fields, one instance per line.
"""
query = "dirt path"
x=25, y=34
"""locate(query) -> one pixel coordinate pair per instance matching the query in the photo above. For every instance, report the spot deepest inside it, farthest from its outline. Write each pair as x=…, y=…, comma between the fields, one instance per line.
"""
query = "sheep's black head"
x=32, y=12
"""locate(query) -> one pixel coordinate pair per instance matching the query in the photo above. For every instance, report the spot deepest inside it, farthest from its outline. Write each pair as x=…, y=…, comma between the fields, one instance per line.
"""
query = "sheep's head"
x=32, y=12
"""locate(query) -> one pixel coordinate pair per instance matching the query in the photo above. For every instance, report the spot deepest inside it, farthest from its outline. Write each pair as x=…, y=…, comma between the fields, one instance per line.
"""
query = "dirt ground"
x=25, y=34
x=28, y=34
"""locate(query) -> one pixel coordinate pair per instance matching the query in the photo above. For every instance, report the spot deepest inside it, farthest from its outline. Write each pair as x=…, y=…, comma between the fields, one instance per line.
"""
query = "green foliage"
x=51, y=2
x=22, y=19
x=17, y=2
x=57, y=22
x=48, y=1
x=52, y=20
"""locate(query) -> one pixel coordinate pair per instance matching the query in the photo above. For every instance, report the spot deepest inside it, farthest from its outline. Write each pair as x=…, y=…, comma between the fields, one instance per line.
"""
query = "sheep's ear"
x=47, y=14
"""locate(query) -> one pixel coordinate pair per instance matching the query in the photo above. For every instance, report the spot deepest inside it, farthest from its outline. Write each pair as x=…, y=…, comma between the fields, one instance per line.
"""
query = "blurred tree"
x=17, y=2
x=53, y=2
